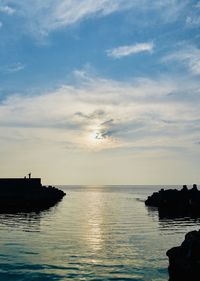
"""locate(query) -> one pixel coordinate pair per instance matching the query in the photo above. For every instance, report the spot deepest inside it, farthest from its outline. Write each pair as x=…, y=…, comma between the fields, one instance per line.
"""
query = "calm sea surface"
x=95, y=233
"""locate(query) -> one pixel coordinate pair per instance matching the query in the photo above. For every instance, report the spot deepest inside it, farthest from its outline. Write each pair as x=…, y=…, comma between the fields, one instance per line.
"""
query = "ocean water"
x=95, y=233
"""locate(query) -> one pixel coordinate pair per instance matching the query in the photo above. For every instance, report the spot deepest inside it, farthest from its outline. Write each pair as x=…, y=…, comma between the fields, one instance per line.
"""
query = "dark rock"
x=184, y=261
x=27, y=195
x=172, y=203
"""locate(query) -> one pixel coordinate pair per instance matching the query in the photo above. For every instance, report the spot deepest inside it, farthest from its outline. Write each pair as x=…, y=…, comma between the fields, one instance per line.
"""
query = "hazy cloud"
x=7, y=10
x=197, y=5
x=193, y=21
x=103, y=114
x=193, y=17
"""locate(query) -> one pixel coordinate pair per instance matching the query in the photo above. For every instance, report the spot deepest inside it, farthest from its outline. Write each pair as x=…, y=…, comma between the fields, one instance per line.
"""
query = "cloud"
x=193, y=21
x=193, y=17
x=50, y=15
x=7, y=10
x=104, y=114
x=124, y=51
x=12, y=68
x=197, y=5
x=46, y=16
x=189, y=56
x=1, y=24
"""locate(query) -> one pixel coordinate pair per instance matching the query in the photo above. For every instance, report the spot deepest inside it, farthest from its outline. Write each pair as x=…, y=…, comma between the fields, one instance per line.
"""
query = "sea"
x=96, y=233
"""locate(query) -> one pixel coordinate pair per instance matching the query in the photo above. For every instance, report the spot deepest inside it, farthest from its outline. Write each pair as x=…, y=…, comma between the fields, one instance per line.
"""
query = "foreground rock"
x=173, y=203
x=27, y=195
x=184, y=261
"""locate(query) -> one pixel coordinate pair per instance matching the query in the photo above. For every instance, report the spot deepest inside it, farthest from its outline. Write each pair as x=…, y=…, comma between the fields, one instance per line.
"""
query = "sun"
x=96, y=137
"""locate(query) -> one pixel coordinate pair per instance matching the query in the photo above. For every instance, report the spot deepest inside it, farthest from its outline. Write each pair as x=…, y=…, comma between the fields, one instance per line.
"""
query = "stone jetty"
x=27, y=195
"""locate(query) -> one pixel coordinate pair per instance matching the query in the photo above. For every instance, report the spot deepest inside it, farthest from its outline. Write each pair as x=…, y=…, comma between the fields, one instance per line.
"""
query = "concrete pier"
x=27, y=195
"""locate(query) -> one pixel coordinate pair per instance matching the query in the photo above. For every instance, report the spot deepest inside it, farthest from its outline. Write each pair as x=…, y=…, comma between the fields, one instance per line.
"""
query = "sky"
x=100, y=92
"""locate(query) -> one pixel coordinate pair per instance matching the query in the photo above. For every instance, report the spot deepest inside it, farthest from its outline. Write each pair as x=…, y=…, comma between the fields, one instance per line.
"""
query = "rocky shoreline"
x=184, y=261
x=172, y=203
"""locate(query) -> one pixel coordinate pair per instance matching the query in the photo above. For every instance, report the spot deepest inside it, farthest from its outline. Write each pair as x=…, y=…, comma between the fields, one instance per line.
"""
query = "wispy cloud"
x=46, y=16
x=189, y=56
x=1, y=24
x=7, y=10
x=49, y=15
x=11, y=68
x=124, y=51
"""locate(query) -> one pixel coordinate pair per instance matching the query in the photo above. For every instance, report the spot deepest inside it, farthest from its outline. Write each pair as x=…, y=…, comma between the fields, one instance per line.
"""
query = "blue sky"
x=108, y=89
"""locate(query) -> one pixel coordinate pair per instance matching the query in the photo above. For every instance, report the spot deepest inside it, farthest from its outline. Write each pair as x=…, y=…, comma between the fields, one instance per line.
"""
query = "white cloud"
x=124, y=51
x=7, y=10
x=189, y=56
x=1, y=24
x=102, y=114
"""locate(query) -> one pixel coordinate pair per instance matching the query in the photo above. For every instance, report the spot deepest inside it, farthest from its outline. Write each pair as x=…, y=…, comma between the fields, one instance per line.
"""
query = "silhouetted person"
x=29, y=175
x=194, y=187
x=185, y=189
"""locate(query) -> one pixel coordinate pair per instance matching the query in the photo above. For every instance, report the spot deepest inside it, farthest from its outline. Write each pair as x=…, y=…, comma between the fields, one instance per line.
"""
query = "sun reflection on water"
x=95, y=222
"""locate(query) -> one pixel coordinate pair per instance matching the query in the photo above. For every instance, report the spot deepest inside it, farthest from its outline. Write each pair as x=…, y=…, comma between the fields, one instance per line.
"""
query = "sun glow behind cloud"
x=97, y=141
x=102, y=114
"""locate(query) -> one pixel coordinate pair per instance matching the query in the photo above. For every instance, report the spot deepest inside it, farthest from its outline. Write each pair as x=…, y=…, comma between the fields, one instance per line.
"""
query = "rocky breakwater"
x=172, y=203
x=184, y=261
x=27, y=195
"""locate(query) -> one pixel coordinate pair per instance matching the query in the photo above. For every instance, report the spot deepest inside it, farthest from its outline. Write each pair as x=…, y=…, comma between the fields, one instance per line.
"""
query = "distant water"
x=96, y=233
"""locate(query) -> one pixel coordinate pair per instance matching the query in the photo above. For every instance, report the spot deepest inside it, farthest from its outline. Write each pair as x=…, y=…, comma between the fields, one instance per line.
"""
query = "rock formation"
x=173, y=203
x=184, y=261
